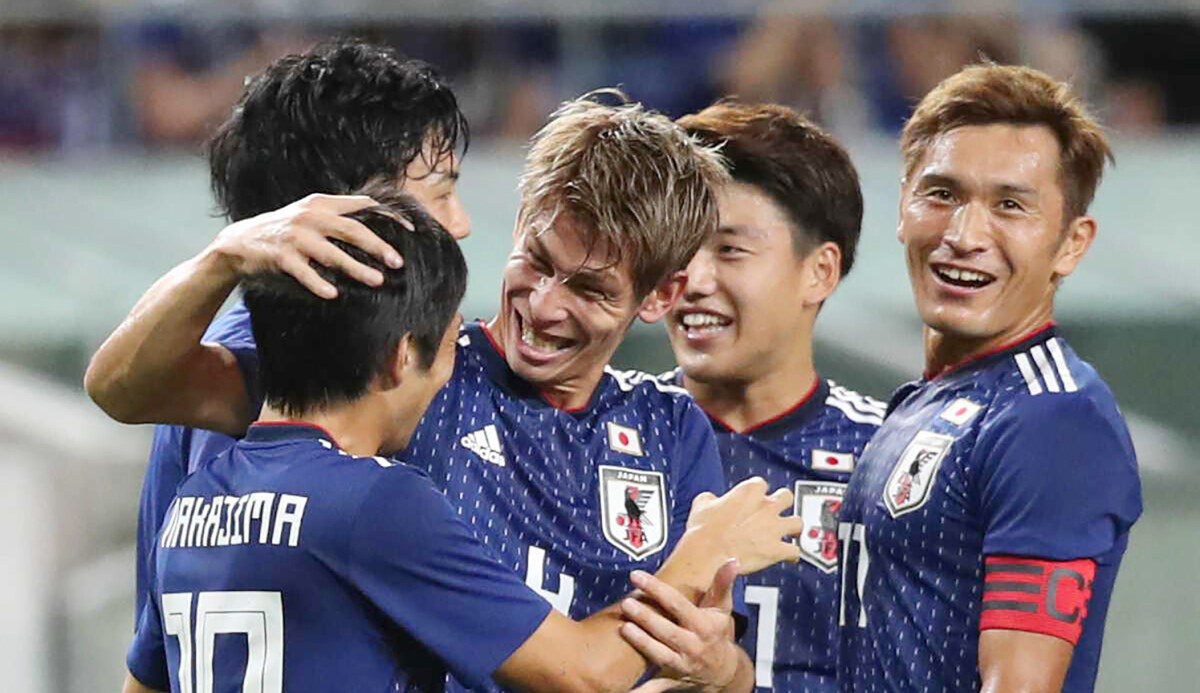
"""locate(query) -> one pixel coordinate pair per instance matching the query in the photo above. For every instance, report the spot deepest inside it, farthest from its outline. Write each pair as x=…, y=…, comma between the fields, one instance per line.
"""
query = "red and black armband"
x=1037, y=595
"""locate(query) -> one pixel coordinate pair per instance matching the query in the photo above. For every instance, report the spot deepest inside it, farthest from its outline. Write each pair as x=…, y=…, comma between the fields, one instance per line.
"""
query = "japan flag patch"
x=624, y=439
x=826, y=461
x=912, y=479
x=960, y=411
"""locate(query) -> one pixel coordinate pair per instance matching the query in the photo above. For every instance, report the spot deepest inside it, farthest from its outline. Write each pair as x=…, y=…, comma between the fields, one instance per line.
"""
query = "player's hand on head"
x=748, y=524
x=291, y=238
x=692, y=645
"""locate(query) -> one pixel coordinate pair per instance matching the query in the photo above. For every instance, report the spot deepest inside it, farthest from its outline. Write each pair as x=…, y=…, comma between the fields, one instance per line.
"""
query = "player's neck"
x=744, y=404
x=356, y=428
x=946, y=351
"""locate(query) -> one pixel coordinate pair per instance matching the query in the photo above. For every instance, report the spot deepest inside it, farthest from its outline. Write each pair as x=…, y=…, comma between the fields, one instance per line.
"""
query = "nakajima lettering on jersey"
x=253, y=518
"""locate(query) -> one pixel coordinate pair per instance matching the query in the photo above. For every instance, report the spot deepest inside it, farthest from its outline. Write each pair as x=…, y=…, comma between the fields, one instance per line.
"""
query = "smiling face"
x=750, y=301
x=563, y=311
x=982, y=222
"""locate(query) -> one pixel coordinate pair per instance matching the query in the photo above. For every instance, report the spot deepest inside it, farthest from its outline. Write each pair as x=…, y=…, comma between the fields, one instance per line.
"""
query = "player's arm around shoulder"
x=154, y=368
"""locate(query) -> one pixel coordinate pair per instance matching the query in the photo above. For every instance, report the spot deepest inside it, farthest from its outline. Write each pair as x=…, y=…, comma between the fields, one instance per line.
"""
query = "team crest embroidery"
x=633, y=509
x=818, y=503
x=912, y=479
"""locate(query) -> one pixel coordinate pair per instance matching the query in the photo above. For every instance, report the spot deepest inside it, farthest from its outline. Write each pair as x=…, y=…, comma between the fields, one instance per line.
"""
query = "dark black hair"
x=330, y=121
x=317, y=352
x=800, y=166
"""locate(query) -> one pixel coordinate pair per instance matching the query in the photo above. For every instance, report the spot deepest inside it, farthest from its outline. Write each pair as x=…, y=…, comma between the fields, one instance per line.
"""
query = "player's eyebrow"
x=741, y=231
x=928, y=180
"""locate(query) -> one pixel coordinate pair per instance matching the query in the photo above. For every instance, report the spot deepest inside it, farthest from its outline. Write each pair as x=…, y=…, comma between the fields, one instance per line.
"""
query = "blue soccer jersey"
x=291, y=564
x=571, y=500
x=1020, y=453
x=811, y=449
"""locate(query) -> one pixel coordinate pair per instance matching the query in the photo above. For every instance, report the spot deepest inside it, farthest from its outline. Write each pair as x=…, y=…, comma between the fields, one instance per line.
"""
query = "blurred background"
x=104, y=103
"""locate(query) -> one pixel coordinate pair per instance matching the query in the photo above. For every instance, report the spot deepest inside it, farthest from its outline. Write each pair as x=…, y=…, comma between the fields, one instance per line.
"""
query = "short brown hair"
x=800, y=166
x=636, y=181
x=988, y=93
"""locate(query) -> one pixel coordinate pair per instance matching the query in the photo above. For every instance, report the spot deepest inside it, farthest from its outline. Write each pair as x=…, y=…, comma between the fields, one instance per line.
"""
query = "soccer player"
x=332, y=120
x=537, y=444
x=742, y=334
x=299, y=559
x=983, y=528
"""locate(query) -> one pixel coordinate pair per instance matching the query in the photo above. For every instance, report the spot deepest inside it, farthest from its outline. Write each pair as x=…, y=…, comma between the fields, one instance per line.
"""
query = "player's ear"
x=663, y=297
x=1076, y=240
x=400, y=362
x=822, y=270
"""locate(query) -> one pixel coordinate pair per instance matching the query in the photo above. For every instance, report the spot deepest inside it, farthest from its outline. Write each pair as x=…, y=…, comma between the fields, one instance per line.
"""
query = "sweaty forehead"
x=998, y=155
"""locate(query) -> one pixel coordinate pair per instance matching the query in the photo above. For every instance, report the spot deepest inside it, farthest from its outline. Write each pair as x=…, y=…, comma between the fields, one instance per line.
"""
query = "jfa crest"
x=818, y=503
x=633, y=509
x=912, y=479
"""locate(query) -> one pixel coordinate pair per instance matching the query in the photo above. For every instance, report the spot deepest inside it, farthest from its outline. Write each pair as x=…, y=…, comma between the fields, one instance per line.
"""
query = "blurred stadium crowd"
x=152, y=76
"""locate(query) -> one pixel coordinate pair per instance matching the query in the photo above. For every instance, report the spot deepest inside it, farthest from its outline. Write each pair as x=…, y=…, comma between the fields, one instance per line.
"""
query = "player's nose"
x=969, y=228
x=701, y=275
x=547, y=301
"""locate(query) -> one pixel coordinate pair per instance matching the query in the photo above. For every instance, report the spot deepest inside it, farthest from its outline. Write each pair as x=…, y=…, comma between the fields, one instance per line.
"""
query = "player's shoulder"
x=654, y=388
x=1048, y=379
x=852, y=407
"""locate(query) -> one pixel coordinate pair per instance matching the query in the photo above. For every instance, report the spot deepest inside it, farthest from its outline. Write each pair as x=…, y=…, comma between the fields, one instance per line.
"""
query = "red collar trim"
x=306, y=424
x=790, y=410
x=991, y=352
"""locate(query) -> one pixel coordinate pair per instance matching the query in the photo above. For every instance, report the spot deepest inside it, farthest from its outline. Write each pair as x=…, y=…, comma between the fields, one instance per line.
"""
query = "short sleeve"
x=233, y=331
x=1060, y=479
x=147, y=656
x=421, y=565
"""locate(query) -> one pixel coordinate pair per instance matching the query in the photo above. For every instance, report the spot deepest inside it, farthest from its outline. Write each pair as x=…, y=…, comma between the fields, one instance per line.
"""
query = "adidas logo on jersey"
x=486, y=443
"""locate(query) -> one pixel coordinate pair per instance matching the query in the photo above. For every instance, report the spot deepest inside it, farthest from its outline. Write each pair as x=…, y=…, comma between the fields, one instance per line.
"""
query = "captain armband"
x=1037, y=595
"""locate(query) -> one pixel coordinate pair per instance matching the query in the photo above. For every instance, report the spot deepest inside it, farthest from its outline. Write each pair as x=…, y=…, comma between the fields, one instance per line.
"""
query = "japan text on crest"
x=633, y=509
x=818, y=503
x=912, y=478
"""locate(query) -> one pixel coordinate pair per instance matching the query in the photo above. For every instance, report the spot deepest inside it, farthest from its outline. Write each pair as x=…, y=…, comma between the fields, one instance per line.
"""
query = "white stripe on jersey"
x=852, y=413
x=1043, y=364
x=864, y=405
x=1031, y=381
x=1060, y=361
x=627, y=380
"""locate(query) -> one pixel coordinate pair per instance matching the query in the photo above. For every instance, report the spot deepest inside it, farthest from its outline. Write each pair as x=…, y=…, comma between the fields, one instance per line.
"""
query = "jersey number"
x=258, y=615
x=767, y=599
x=535, y=578
x=850, y=533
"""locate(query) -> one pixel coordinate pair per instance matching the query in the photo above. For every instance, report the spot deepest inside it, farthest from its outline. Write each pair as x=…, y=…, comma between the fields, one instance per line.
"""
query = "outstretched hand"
x=746, y=524
x=288, y=239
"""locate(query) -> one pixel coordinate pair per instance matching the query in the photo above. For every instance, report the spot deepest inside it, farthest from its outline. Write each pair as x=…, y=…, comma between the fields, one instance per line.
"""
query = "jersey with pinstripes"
x=811, y=449
x=1021, y=452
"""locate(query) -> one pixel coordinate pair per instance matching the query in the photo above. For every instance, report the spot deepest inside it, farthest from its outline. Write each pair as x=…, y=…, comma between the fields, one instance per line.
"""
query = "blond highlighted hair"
x=987, y=94
x=631, y=179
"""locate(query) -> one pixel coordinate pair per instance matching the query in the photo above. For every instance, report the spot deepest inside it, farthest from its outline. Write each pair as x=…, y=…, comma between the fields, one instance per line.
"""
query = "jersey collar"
x=1037, y=336
x=807, y=408
x=285, y=431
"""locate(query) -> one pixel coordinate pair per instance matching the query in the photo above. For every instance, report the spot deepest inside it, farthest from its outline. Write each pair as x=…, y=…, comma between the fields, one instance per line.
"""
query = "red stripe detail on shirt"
x=1037, y=595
